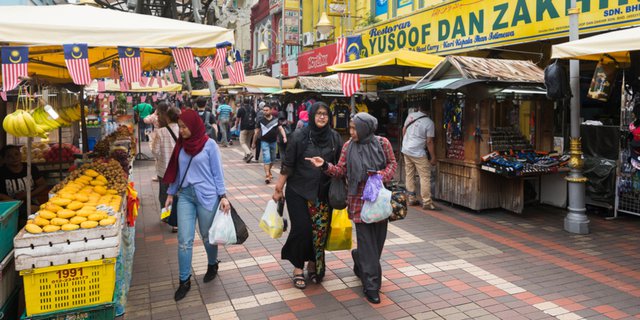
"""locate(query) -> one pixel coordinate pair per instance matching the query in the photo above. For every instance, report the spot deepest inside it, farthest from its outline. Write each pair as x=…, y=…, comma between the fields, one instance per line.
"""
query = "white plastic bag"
x=271, y=222
x=375, y=211
x=222, y=229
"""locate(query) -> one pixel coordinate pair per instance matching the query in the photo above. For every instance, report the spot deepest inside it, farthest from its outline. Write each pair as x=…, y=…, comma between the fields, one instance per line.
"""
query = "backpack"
x=249, y=117
x=206, y=118
x=556, y=80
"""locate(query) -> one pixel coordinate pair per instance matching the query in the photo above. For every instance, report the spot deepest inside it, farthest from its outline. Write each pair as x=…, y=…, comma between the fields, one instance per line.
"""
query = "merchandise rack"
x=626, y=201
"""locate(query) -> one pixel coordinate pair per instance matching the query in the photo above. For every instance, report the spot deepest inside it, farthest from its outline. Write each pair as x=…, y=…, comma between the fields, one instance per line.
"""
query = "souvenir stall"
x=495, y=132
x=624, y=47
x=75, y=254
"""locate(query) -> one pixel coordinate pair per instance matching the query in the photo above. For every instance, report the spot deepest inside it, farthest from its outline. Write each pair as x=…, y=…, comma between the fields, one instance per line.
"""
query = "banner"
x=317, y=60
x=292, y=27
x=465, y=25
x=382, y=7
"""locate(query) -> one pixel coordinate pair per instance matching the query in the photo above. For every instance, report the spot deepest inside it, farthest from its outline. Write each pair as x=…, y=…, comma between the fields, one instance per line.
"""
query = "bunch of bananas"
x=70, y=114
x=21, y=124
x=42, y=118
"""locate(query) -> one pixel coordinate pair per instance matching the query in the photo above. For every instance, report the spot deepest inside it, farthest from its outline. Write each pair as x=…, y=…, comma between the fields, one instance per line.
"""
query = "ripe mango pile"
x=74, y=206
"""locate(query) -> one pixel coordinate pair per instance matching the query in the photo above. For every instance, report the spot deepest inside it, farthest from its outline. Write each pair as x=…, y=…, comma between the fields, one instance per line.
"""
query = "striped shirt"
x=162, y=147
x=224, y=112
x=355, y=202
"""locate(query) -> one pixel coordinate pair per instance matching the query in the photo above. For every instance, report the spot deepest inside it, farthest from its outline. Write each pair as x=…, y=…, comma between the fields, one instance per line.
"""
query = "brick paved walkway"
x=449, y=264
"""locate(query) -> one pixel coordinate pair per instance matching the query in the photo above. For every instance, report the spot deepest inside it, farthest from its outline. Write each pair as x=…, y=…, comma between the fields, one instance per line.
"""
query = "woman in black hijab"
x=307, y=194
x=364, y=154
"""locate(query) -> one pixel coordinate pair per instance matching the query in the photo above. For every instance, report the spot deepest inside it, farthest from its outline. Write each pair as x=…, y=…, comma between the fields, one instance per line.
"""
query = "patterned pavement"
x=447, y=264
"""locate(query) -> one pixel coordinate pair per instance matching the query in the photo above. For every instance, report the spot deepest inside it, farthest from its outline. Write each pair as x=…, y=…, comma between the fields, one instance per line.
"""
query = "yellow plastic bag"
x=271, y=222
x=339, y=237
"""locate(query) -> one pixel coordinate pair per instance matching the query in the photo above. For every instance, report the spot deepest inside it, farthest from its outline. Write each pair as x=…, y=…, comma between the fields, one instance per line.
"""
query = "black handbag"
x=172, y=220
x=242, y=233
x=337, y=194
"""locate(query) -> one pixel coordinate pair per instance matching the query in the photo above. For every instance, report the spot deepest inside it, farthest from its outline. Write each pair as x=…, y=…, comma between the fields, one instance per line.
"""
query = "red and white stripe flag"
x=76, y=56
x=178, y=75
x=184, y=60
x=101, y=85
x=144, y=79
x=130, y=63
x=350, y=81
x=237, y=76
x=219, y=62
x=205, y=68
x=152, y=79
x=14, y=65
x=112, y=98
x=143, y=98
x=123, y=86
x=3, y=95
x=159, y=79
x=154, y=98
x=101, y=96
x=129, y=99
x=171, y=77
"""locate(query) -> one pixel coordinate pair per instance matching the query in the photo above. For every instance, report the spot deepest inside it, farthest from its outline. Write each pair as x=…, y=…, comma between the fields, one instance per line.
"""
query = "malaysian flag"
x=129, y=98
x=350, y=81
x=130, y=63
x=3, y=95
x=101, y=85
x=178, y=74
x=219, y=62
x=112, y=98
x=77, y=58
x=14, y=66
x=123, y=85
x=231, y=71
x=152, y=79
x=159, y=79
x=171, y=77
x=184, y=60
x=144, y=79
x=143, y=98
x=205, y=66
x=238, y=66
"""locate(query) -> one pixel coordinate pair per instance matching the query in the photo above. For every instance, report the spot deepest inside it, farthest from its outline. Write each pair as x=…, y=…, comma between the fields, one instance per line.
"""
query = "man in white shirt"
x=418, y=133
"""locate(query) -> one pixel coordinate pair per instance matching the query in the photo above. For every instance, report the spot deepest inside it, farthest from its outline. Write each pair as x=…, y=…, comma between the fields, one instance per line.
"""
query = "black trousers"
x=371, y=238
x=299, y=245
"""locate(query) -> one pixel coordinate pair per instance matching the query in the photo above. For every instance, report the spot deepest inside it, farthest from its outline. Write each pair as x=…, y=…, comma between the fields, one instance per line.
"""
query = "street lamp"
x=324, y=26
x=262, y=48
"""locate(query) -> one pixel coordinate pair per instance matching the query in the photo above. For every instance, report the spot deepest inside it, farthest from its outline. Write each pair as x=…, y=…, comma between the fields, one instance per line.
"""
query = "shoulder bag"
x=172, y=220
x=425, y=147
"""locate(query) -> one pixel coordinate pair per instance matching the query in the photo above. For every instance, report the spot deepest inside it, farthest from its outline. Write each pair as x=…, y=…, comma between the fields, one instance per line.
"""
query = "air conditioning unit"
x=307, y=39
x=320, y=37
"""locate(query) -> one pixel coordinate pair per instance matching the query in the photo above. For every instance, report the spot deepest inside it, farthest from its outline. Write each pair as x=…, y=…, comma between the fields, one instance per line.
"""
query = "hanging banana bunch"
x=20, y=123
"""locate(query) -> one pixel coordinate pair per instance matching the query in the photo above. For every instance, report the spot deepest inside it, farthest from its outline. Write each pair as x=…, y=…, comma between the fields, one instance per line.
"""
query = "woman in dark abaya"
x=307, y=191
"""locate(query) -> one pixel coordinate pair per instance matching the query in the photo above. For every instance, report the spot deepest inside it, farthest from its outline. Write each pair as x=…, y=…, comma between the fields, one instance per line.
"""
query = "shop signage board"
x=317, y=60
x=337, y=7
x=292, y=27
x=464, y=25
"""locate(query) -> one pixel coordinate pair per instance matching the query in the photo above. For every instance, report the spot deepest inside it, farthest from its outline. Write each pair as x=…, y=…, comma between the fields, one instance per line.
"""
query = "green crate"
x=100, y=312
x=8, y=225
x=9, y=310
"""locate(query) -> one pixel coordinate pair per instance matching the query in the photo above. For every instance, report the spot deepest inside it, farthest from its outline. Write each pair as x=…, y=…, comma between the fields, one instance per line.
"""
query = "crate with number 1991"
x=69, y=286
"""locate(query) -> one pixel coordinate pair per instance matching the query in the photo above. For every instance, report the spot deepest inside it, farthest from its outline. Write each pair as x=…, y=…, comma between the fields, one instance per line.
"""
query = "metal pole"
x=83, y=127
x=197, y=6
x=29, y=178
x=576, y=220
x=282, y=44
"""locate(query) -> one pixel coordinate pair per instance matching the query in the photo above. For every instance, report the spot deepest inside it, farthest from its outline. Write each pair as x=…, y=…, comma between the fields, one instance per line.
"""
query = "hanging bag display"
x=271, y=222
x=604, y=77
x=340, y=231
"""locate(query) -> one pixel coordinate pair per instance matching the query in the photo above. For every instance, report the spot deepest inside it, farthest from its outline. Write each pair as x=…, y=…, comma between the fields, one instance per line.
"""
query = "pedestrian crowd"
x=317, y=169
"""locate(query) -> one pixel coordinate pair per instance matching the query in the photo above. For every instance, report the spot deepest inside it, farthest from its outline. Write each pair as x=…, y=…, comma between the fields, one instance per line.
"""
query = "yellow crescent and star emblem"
x=353, y=50
x=76, y=53
x=15, y=57
x=129, y=53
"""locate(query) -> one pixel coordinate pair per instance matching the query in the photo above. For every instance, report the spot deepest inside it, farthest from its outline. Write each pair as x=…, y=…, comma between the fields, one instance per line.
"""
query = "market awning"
x=201, y=93
x=111, y=86
x=261, y=90
x=445, y=84
x=46, y=28
x=320, y=84
x=262, y=81
x=289, y=91
x=615, y=43
x=401, y=63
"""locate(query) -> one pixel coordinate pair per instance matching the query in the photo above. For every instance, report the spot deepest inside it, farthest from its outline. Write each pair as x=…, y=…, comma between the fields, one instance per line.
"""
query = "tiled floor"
x=448, y=264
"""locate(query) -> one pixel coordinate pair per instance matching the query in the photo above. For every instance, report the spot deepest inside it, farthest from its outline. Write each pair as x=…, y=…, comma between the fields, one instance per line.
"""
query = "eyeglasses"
x=322, y=115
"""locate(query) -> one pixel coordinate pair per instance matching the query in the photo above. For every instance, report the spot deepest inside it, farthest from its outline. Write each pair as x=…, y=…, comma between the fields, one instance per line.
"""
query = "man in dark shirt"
x=267, y=129
x=246, y=119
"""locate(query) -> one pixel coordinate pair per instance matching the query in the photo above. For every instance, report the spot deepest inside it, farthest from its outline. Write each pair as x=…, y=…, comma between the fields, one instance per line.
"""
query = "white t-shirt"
x=415, y=139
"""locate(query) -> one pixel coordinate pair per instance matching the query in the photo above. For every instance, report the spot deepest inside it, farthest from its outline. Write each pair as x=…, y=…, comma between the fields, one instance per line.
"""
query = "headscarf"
x=321, y=137
x=192, y=146
x=304, y=116
x=364, y=154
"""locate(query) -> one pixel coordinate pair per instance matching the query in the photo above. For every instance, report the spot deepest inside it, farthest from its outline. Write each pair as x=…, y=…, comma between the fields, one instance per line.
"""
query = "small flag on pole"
x=129, y=99
x=178, y=74
x=219, y=62
x=130, y=63
x=184, y=60
x=101, y=85
x=159, y=79
x=143, y=98
x=152, y=79
x=144, y=79
x=238, y=65
x=231, y=71
x=350, y=81
x=76, y=56
x=112, y=98
x=205, y=66
x=14, y=66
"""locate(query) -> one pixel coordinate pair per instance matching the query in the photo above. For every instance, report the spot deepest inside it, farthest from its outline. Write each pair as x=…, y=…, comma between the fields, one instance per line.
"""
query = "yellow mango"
x=91, y=173
x=100, y=190
x=96, y=217
x=50, y=228
x=112, y=191
x=70, y=227
x=66, y=213
x=80, y=197
x=30, y=221
x=32, y=228
x=84, y=213
x=59, y=221
x=75, y=205
x=41, y=222
x=66, y=195
x=59, y=201
x=77, y=220
x=101, y=178
x=108, y=221
x=89, y=224
x=46, y=214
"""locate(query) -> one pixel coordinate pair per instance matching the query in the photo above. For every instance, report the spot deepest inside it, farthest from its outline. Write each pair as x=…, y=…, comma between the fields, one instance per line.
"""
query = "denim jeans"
x=188, y=211
x=268, y=151
x=224, y=129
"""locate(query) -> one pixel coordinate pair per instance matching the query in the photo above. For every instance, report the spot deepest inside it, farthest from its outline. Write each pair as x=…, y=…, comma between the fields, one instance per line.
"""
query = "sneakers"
x=248, y=158
x=430, y=206
x=184, y=287
x=212, y=272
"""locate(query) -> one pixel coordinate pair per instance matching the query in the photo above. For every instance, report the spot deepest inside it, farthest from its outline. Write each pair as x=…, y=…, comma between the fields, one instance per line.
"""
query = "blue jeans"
x=188, y=211
x=268, y=151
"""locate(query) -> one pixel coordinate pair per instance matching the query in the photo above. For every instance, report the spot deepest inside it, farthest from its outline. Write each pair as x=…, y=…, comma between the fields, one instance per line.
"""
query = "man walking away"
x=419, y=154
x=144, y=110
x=259, y=116
x=246, y=119
x=207, y=117
x=224, y=116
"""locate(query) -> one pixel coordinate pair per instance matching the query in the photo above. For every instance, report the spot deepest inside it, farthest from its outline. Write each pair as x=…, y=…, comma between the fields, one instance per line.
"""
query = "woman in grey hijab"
x=364, y=154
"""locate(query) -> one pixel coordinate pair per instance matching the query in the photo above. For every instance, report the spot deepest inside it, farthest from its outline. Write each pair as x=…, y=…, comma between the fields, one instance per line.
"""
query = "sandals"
x=299, y=281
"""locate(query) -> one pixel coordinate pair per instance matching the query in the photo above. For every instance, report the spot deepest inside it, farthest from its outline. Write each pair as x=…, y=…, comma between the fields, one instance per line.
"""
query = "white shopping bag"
x=375, y=211
x=271, y=222
x=222, y=229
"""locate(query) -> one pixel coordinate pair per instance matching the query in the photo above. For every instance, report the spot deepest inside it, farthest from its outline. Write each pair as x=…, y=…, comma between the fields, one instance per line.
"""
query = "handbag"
x=398, y=204
x=172, y=220
x=242, y=233
x=228, y=228
x=337, y=194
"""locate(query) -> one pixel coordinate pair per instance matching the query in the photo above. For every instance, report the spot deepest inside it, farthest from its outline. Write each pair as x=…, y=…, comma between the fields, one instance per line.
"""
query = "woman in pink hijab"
x=304, y=119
